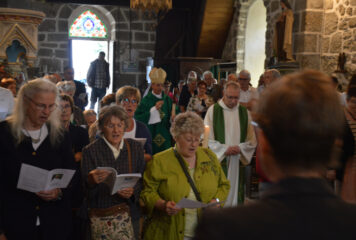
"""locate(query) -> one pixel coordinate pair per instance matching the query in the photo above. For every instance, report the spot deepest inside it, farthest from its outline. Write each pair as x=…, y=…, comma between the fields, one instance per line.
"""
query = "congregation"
x=190, y=145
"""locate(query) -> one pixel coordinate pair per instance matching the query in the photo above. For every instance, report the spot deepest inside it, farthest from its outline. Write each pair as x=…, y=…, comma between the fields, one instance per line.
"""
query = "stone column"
x=308, y=28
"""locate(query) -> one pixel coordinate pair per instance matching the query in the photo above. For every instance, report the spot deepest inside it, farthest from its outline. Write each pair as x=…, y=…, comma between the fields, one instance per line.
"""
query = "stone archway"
x=90, y=31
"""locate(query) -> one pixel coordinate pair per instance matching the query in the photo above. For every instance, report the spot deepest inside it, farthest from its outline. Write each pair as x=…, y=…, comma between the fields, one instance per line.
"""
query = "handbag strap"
x=190, y=180
x=129, y=155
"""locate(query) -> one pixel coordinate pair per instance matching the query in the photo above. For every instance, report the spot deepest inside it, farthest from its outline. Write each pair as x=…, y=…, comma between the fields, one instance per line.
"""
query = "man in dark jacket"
x=299, y=119
x=98, y=78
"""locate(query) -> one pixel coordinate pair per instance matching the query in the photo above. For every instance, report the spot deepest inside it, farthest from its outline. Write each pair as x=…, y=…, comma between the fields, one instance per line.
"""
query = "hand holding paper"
x=188, y=203
x=119, y=182
x=34, y=179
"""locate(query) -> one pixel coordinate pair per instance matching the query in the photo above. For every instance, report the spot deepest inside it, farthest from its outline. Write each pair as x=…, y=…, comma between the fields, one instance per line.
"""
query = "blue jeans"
x=96, y=93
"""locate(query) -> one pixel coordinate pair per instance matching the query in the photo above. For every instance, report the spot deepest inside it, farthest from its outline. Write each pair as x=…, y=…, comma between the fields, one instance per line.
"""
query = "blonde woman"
x=33, y=135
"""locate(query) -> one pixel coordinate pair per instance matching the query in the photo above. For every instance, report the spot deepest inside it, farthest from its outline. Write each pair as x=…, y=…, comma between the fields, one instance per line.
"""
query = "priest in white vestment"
x=231, y=136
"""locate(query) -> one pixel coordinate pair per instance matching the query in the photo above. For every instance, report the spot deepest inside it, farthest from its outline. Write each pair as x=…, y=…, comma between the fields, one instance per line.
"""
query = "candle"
x=206, y=136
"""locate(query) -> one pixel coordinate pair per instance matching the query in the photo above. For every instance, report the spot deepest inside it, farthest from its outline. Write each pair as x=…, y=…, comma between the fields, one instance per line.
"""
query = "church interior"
x=141, y=82
x=179, y=36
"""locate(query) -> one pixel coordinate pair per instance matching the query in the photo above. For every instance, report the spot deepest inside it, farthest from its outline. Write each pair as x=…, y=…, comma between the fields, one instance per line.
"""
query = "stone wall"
x=53, y=52
x=235, y=43
x=339, y=35
x=229, y=52
x=322, y=29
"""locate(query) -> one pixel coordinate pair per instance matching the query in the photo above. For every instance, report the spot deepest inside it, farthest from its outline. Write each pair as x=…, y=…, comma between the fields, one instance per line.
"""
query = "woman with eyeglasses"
x=79, y=138
x=129, y=97
x=198, y=103
x=33, y=135
x=165, y=182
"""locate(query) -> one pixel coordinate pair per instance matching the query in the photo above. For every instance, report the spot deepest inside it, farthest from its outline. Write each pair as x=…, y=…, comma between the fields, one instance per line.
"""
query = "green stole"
x=219, y=134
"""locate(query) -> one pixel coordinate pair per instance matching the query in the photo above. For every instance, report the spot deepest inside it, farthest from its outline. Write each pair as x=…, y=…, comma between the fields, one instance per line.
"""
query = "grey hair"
x=188, y=122
x=127, y=91
x=66, y=86
x=112, y=111
x=245, y=73
x=275, y=73
x=193, y=73
x=17, y=119
x=233, y=84
x=206, y=73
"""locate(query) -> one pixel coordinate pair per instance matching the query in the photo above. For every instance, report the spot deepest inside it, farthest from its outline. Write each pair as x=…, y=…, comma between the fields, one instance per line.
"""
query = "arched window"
x=88, y=25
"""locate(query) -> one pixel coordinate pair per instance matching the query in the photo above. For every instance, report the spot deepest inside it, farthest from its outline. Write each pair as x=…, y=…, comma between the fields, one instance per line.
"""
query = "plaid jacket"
x=98, y=74
x=98, y=154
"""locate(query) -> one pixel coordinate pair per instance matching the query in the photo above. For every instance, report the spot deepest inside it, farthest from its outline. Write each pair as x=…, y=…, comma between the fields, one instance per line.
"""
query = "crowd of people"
x=190, y=144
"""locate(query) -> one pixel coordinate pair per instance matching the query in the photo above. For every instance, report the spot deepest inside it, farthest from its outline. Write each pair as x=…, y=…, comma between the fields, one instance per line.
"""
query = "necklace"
x=34, y=140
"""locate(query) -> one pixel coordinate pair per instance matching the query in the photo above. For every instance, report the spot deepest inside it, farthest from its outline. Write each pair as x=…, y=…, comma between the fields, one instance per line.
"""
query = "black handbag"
x=185, y=170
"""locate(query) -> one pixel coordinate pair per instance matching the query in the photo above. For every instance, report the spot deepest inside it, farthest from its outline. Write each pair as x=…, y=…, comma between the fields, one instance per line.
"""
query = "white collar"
x=222, y=104
x=114, y=150
x=157, y=95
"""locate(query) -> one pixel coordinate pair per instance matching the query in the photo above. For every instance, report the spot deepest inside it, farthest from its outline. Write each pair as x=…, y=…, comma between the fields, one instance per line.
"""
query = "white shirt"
x=246, y=96
x=132, y=133
x=40, y=133
x=114, y=150
x=6, y=103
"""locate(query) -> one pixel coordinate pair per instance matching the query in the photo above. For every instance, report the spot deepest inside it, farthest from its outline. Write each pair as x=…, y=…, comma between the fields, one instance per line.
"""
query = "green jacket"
x=165, y=179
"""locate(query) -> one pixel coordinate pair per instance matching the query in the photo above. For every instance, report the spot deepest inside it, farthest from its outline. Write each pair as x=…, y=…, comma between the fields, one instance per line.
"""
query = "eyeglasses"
x=112, y=126
x=243, y=79
x=42, y=107
x=232, y=97
x=127, y=101
x=64, y=107
x=193, y=140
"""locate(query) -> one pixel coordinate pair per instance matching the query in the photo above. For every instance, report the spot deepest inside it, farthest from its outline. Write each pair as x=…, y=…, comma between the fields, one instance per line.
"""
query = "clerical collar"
x=157, y=95
x=222, y=104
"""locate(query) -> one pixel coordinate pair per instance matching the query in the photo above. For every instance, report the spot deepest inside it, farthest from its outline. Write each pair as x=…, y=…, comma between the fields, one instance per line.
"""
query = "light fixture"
x=155, y=5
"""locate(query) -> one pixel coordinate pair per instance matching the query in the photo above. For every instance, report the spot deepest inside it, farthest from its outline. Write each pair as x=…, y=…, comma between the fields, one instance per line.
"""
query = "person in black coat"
x=299, y=120
x=80, y=96
x=33, y=135
x=79, y=139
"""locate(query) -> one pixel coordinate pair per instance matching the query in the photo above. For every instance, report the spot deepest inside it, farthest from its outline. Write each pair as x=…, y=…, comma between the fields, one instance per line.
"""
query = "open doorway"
x=89, y=30
x=255, y=41
x=83, y=53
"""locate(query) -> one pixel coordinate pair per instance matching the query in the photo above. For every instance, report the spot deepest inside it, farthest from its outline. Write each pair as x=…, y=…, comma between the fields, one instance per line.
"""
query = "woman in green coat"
x=165, y=182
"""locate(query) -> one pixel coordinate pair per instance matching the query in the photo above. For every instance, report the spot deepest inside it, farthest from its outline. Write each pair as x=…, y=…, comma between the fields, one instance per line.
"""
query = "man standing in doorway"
x=98, y=79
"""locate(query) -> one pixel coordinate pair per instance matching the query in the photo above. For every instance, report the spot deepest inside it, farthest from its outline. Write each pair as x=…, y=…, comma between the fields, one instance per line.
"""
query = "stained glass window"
x=88, y=25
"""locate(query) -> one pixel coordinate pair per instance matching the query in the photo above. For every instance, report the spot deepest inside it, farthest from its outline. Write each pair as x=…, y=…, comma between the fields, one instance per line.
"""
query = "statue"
x=341, y=60
x=14, y=51
x=282, y=41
